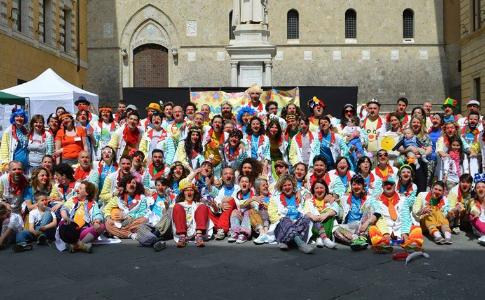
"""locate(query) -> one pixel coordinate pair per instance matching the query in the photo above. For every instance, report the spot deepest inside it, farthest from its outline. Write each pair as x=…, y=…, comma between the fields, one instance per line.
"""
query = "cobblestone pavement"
x=228, y=271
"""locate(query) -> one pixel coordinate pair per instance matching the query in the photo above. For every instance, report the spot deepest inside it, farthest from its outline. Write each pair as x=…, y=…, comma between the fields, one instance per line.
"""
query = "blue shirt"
x=354, y=214
x=292, y=207
x=158, y=206
x=228, y=191
x=254, y=146
x=326, y=152
x=434, y=136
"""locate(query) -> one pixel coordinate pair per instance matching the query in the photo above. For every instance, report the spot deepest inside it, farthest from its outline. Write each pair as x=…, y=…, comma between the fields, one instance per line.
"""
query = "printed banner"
x=215, y=98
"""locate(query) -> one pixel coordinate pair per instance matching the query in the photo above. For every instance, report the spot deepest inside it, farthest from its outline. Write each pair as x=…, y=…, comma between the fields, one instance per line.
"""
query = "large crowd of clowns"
x=259, y=173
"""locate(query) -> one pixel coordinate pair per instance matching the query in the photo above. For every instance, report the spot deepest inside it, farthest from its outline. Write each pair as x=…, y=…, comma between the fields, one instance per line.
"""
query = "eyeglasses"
x=348, y=110
x=382, y=154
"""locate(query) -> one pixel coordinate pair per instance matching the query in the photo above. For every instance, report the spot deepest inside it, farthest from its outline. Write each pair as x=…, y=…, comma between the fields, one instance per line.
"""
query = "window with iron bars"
x=408, y=24
x=350, y=24
x=293, y=30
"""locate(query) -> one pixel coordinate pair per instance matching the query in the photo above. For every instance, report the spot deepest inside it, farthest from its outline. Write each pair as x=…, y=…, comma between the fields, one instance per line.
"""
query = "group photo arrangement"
x=263, y=172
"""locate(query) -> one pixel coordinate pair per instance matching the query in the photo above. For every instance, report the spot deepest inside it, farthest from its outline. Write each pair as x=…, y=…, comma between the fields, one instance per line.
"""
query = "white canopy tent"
x=48, y=91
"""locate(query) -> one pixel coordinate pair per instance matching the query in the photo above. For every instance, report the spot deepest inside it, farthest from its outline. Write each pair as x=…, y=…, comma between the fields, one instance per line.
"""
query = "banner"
x=215, y=98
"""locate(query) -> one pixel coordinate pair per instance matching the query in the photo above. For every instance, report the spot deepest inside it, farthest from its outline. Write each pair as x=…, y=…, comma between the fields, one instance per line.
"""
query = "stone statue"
x=249, y=12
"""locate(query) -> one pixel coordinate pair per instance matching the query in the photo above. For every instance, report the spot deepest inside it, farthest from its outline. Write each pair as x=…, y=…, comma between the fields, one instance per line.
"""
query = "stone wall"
x=196, y=33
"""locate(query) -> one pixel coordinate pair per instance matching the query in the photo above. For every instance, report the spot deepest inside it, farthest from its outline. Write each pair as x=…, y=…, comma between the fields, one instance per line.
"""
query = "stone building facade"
x=40, y=34
x=472, y=15
x=387, y=48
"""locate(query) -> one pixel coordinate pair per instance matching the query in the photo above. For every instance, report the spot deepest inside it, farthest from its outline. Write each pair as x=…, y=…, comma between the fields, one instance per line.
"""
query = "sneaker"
x=159, y=246
x=199, y=241
x=456, y=230
x=359, y=243
x=220, y=235
x=320, y=243
x=481, y=240
x=42, y=240
x=306, y=248
x=241, y=239
x=232, y=238
x=261, y=239
x=439, y=240
x=283, y=246
x=21, y=247
x=133, y=236
x=328, y=243
x=448, y=241
x=182, y=242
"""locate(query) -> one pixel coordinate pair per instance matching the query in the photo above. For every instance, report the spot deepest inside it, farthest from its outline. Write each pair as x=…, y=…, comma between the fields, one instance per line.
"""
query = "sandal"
x=199, y=241
x=182, y=242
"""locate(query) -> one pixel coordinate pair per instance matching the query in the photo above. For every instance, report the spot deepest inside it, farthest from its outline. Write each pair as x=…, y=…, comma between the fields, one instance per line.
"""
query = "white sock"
x=437, y=234
x=447, y=234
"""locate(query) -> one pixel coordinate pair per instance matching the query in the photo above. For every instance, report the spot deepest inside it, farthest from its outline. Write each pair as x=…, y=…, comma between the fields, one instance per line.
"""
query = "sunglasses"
x=388, y=183
x=382, y=154
x=347, y=111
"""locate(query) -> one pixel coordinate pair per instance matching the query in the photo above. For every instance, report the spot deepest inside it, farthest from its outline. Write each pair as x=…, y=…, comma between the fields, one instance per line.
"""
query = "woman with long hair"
x=177, y=172
x=250, y=167
x=233, y=152
x=41, y=142
x=40, y=182
x=126, y=210
x=257, y=143
x=189, y=151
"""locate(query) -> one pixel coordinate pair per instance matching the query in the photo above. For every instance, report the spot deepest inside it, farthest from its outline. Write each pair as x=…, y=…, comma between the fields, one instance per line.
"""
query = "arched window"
x=292, y=23
x=408, y=24
x=350, y=24
x=231, y=29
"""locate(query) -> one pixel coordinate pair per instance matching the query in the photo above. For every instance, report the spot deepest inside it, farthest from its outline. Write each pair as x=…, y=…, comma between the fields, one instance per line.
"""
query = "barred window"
x=231, y=29
x=350, y=24
x=293, y=30
x=408, y=24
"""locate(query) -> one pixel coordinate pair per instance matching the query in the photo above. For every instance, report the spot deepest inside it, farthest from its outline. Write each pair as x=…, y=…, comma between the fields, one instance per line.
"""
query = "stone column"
x=234, y=73
x=268, y=68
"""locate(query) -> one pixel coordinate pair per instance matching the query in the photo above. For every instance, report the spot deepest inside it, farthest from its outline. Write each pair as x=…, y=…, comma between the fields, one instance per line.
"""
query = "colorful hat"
x=479, y=177
x=184, y=184
x=18, y=112
x=389, y=179
x=154, y=106
x=132, y=107
x=242, y=111
x=316, y=102
x=450, y=102
x=254, y=89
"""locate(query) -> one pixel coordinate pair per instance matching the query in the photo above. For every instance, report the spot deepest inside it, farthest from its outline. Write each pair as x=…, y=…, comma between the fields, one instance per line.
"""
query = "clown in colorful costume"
x=394, y=221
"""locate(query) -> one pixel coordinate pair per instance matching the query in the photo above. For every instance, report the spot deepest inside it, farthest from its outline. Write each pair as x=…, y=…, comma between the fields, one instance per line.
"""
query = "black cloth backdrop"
x=334, y=97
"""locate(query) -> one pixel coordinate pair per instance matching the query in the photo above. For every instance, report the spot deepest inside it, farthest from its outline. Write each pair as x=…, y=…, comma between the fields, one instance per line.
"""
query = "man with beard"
x=272, y=114
x=226, y=112
x=13, y=187
x=127, y=138
x=470, y=134
x=472, y=106
x=84, y=170
x=156, y=169
x=111, y=182
x=176, y=129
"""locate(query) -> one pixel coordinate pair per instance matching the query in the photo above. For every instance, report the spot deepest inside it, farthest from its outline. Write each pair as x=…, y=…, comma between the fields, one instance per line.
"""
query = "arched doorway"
x=150, y=66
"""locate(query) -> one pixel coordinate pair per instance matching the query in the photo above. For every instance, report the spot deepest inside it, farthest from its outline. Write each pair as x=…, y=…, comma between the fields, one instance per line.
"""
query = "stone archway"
x=150, y=66
x=148, y=26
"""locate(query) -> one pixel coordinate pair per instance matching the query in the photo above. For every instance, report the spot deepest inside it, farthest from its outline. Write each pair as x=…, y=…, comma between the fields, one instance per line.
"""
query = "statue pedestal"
x=251, y=55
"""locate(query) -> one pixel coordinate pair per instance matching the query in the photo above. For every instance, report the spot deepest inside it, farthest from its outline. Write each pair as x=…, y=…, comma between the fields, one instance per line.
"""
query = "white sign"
x=191, y=56
x=337, y=55
x=191, y=28
x=423, y=54
x=394, y=54
x=307, y=55
x=221, y=56
x=279, y=55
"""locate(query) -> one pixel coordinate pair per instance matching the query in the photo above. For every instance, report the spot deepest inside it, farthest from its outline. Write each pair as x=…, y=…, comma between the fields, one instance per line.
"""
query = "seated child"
x=10, y=224
x=352, y=136
x=42, y=225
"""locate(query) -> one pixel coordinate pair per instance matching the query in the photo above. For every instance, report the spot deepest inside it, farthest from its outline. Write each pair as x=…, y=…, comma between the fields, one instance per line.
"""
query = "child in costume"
x=430, y=209
x=410, y=142
x=452, y=164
